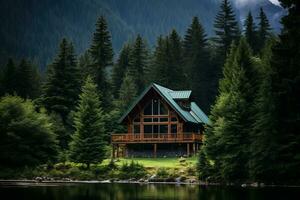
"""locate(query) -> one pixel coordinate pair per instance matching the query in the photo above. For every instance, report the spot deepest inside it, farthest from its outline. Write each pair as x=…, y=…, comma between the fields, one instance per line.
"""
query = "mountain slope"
x=33, y=28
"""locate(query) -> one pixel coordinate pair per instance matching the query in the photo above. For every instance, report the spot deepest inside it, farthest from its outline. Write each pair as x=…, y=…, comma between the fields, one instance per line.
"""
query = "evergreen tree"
x=203, y=166
x=264, y=135
x=85, y=65
x=227, y=140
x=160, y=65
x=196, y=57
x=88, y=145
x=138, y=63
x=120, y=68
x=26, y=136
x=176, y=73
x=128, y=92
x=27, y=80
x=226, y=28
x=264, y=29
x=251, y=33
x=102, y=55
x=62, y=134
x=8, y=81
x=285, y=81
x=60, y=91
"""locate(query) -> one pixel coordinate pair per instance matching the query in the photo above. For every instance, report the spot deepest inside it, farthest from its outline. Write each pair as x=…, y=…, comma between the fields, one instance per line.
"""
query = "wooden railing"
x=155, y=137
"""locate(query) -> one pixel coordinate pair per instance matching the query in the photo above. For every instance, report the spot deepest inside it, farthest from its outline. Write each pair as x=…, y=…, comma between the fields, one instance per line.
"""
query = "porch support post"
x=155, y=149
x=117, y=151
x=125, y=151
x=113, y=151
x=188, y=149
x=194, y=148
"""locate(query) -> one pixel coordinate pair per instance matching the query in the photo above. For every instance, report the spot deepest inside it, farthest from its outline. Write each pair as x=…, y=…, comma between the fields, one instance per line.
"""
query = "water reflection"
x=144, y=192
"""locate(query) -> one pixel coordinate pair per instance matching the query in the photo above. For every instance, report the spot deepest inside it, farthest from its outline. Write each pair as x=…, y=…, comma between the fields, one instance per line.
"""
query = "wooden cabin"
x=161, y=123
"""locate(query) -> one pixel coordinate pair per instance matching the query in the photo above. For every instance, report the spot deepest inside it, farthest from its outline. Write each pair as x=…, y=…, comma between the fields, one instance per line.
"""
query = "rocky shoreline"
x=48, y=182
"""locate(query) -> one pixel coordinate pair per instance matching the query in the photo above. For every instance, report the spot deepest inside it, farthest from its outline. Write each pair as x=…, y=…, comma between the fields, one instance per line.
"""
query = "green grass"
x=158, y=162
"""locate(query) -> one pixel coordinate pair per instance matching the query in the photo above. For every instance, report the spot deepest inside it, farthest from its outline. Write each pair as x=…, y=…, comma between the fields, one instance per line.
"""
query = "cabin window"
x=136, y=129
x=163, y=128
x=163, y=110
x=147, y=119
x=155, y=129
x=155, y=119
x=165, y=119
x=174, y=119
x=174, y=128
x=155, y=107
x=148, y=128
x=148, y=109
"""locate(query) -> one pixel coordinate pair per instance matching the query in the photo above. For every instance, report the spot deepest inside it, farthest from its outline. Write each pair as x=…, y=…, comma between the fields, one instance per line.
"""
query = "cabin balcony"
x=127, y=138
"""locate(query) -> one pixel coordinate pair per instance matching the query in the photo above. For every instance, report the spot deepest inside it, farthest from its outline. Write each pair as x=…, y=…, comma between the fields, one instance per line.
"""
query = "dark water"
x=149, y=191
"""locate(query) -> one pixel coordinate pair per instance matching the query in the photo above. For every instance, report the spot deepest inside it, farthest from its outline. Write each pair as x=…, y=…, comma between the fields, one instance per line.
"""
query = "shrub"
x=26, y=135
x=132, y=170
x=162, y=173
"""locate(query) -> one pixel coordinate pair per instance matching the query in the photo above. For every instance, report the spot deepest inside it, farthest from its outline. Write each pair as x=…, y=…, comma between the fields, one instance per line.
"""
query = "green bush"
x=162, y=173
x=132, y=170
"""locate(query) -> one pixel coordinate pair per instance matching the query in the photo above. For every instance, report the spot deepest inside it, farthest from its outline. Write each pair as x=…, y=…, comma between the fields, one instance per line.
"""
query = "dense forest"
x=247, y=78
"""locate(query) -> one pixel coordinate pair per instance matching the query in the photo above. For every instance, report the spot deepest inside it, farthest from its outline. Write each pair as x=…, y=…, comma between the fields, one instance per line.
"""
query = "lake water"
x=146, y=191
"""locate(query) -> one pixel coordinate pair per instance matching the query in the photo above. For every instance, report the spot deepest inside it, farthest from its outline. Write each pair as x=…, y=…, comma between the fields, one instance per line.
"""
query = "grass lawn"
x=160, y=162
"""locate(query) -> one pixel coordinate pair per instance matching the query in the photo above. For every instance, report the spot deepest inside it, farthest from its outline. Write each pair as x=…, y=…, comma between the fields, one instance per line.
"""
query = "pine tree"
x=264, y=135
x=8, y=81
x=120, y=68
x=138, y=63
x=160, y=65
x=27, y=80
x=285, y=86
x=128, y=92
x=176, y=73
x=226, y=28
x=227, y=140
x=264, y=29
x=196, y=58
x=61, y=89
x=88, y=145
x=251, y=33
x=85, y=65
x=102, y=55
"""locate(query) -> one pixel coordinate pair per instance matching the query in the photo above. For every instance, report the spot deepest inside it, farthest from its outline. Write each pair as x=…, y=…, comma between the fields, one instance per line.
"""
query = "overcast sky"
x=275, y=2
x=244, y=2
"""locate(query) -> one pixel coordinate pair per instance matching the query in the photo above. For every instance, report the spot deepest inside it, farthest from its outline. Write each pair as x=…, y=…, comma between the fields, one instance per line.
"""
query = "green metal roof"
x=195, y=115
x=181, y=94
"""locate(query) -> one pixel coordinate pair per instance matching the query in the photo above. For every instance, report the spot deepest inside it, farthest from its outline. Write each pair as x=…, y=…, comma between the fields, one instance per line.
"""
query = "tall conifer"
x=264, y=29
x=88, y=145
x=226, y=28
x=120, y=69
x=8, y=82
x=285, y=81
x=227, y=140
x=61, y=89
x=196, y=58
x=138, y=63
x=251, y=33
x=102, y=56
x=27, y=80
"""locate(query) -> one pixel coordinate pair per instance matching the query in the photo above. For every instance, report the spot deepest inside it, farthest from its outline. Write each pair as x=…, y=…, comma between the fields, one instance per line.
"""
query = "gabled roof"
x=195, y=115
